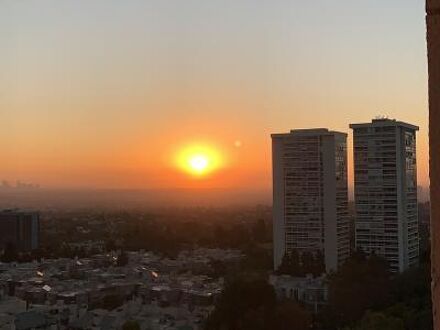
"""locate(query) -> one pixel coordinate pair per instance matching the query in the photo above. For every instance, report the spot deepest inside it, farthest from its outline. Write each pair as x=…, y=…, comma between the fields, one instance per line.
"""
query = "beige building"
x=310, y=195
x=385, y=190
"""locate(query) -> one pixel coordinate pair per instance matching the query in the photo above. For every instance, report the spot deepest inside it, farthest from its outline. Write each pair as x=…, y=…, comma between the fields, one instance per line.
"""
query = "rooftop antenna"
x=381, y=117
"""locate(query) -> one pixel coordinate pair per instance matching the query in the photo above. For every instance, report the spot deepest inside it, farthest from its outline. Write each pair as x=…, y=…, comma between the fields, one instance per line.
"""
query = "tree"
x=257, y=259
x=260, y=231
x=122, y=259
x=10, y=253
x=318, y=266
x=291, y=316
x=110, y=245
x=290, y=265
x=360, y=284
x=307, y=263
x=413, y=287
x=111, y=302
x=295, y=264
x=244, y=297
x=131, y=325
x=379, y=321
x=411, y=294
x=253, y=319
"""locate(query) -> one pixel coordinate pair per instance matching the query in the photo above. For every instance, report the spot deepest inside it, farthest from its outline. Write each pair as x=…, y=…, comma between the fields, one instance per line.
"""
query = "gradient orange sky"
x=102, y=94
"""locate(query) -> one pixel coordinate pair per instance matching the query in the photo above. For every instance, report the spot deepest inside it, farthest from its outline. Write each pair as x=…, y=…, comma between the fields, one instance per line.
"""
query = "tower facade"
x=385, y=185
x=310, y=195
x=19, y=229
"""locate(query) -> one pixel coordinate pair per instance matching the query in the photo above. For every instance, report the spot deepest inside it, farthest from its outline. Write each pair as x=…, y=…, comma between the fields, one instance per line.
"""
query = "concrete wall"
x=433, y=36
x=330, y=216
x=279, y=234
x=401, y=207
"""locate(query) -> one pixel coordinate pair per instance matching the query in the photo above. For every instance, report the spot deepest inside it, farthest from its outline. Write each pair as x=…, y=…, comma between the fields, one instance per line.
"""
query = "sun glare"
x=199, y=160
x=199, y=163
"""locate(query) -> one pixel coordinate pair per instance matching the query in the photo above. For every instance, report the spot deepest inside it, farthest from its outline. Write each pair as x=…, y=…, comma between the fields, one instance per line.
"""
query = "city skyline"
x=107, y=98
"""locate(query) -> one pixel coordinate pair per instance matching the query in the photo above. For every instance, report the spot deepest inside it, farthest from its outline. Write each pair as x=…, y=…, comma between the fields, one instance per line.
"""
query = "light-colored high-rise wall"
x=385, y=182
x=310, y=197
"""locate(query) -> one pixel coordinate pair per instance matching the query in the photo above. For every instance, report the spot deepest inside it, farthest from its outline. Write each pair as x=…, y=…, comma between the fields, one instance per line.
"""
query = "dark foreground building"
x=433, y=34
x=19, y=229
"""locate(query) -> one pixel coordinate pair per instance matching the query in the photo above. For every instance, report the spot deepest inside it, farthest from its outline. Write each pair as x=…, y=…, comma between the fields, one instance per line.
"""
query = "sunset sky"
x=106, y=94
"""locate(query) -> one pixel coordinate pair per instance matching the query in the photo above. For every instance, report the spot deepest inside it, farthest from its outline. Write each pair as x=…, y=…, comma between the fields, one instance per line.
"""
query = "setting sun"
x=199, y=160
x=199, y=163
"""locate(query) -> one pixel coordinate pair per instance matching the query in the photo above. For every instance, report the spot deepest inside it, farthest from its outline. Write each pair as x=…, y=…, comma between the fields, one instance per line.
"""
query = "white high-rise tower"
x=385, y=182
x=310, y=211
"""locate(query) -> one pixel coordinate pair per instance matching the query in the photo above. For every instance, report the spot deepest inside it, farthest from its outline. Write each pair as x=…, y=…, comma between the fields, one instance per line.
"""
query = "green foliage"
x=257, y=259
x=290, y=264
x=122, y=259
x=394, y=301
x=261, y=232
x=360, y=284
x=380, y=321
x=295, y=264
x=166, y=233
x=241, y=298
x=291, y=316
x=131, y=325
x=249, y=303
x=411, y=294
x=110, y=245
x=110, y=302
x=10, y=253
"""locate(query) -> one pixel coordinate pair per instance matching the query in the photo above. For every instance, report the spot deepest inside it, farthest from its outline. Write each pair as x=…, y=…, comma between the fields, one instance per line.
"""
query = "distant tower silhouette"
x=21, y=229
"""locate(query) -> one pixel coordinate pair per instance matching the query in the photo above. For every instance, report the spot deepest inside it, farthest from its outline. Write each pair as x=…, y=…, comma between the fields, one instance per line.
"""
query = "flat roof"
x=384, y=122
x=308, y=132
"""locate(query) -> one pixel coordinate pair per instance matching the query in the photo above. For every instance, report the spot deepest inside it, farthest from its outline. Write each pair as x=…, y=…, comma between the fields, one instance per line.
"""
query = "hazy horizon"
x=106, y=198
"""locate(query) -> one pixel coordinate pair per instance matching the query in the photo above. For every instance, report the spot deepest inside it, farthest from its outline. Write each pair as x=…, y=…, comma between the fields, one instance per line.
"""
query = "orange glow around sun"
x=199, y=160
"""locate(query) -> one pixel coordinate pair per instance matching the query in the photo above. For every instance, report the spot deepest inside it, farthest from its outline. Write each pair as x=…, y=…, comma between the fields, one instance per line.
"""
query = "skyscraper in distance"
x=385, y=186
x=19, y=229
x=310, y=195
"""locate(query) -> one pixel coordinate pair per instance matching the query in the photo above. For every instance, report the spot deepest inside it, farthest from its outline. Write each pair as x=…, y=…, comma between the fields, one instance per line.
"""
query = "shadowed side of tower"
x=433, y=37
